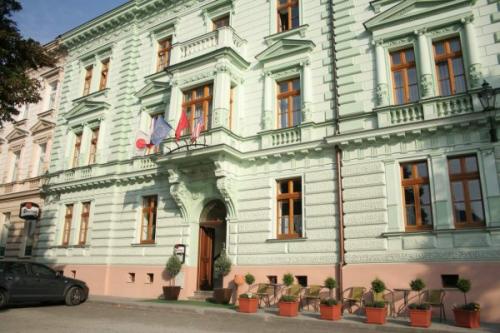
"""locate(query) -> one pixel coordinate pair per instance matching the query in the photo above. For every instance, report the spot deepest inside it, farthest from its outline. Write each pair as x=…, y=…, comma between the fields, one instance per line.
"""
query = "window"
x=198, y=106
x=449, y=67
x=84, y=223
x=468, y=208
x=88, y=80
x=76, y=150
x=417, y=196
x=68, y=217
x=289, y=103
x=104, y=74
x=52, y=95
x=289, y=208
x=404, y=76
x=93, y=145
x=14, y=165
x=41, y=167
x=164, y=49
x=288, y=14
x=148, y=224
x=42, y=271
x=4, y=232
x=220, y=22
x=154, y=118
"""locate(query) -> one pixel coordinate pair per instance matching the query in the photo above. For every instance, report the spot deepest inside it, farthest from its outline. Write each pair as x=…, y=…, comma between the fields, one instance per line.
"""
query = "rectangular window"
x=289, y=103
x=288, y=14
x=198, y=106
x=88, y=80
x=84, y=223
x=76, y=150
x=416, y=195
x=42, y=167
x=153, y=149
x=148, y=223
x=93, y=145
x=289, y=200
x=404, y=76
x=468, y=207
x=4, y=232
x=164, y=50
x=104, y=74
x=68, y=217
x=14, y=165
x=220, y=22
x=450, y=67
x=52, y=95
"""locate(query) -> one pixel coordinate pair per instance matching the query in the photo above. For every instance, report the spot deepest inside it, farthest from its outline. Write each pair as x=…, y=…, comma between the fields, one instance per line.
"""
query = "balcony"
x=30, y=184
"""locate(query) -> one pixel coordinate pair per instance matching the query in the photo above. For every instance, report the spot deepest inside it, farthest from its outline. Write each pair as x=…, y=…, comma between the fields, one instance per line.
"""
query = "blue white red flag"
x=160, y=131
x=197, y=130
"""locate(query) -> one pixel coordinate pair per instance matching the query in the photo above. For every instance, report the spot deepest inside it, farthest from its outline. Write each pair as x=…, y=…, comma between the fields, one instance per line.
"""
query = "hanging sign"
x=29, y=211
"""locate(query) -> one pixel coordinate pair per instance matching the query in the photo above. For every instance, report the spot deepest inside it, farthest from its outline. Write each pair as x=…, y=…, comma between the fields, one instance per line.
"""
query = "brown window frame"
x=88, y=79
x=104, y=74
x=415, y=183
x=84, y=223
x=289, y=94
x=448, y=58
x=68, y=219
x=93, y=145
x=76, y=150
x=190, y=106
x=164, y=51
x=291, y=197
x=223, y=19
x=464, y=177
x=150, y=207
x=289, y=5
x=403, y=67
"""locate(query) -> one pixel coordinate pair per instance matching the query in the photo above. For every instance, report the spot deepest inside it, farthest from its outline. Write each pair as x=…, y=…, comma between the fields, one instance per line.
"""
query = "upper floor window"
x=468, y=207
x=288, y=14
x=197, y=104
x=289, y=103
x=14, y=165
x=76, y=150
x=88, y=80
x=68, y=217
x=148, y=223
x=417, y=195
x=449, y=66
x=153, y=149
x=52, y=95
x=404, y=76
x=84, y=223
x=289, y=214
x=220, y=22
x=164, y=50
x=104, y=74
x=42, y=166
x=93, y=145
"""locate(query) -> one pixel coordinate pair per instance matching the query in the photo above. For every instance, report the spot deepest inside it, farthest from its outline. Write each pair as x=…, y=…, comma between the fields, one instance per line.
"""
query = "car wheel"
x=74, y=296
x=4, y=299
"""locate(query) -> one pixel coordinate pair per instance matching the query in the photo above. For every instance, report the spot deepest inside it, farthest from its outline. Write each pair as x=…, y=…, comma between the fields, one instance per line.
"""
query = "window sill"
x=143, y=244
x=300, y=31
x=94, y=94
x=275, y=240
x=441, y=231
x=71, y=247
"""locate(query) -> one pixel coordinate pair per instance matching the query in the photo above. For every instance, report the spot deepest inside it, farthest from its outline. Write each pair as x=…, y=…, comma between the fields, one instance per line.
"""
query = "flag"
x=141, y=140
x=181, y=126
x=197, y=129
x=160, y=131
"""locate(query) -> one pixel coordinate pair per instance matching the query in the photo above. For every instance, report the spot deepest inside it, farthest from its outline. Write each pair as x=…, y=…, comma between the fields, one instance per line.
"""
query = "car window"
x=16, y=268
x=42, y=271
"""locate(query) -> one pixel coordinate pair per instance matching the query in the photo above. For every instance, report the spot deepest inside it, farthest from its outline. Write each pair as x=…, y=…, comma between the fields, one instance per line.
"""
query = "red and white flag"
x=197, y=130
x=141, y=142
x=181, y=126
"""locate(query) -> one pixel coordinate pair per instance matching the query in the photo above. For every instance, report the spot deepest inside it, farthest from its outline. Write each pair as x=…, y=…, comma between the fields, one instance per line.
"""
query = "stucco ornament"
x=179, y=192
x=382, y=94
x=476, y=75
x=426, y=85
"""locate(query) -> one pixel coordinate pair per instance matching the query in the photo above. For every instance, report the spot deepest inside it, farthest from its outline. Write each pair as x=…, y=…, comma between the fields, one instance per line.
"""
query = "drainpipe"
x=338, y=153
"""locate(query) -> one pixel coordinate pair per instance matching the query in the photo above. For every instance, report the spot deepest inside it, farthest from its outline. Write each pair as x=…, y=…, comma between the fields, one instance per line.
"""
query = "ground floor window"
x=289, y=212
x=148, y=223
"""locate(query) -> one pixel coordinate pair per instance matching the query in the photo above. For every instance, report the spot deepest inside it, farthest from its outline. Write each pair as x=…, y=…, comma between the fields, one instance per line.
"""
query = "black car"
x=22, y=282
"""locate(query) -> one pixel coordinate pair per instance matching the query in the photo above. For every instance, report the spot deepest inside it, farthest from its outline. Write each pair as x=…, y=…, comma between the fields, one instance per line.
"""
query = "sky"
x=44, y=20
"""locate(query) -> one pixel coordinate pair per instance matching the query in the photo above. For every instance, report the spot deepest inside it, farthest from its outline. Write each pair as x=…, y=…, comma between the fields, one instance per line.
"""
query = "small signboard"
x=29, y=211
x=180, y=252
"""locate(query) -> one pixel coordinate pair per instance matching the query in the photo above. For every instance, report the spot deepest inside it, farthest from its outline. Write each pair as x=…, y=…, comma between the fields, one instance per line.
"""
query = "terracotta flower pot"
x=466, y=318
x=330, y=312
x=420, y=318
x=171, y=293
x=223, y=295
x=288, y=309
x=375, y=315
x=248, y=305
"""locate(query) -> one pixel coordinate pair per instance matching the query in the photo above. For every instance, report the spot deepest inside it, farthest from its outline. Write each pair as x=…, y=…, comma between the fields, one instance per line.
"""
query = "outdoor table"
x=406, y=292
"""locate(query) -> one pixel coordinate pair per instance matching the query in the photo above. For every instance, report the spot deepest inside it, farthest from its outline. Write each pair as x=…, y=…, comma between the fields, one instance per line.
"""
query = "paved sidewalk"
x=308, y=319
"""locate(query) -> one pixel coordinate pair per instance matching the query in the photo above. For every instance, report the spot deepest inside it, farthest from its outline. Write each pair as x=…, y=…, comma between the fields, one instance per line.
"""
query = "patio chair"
x=435, y=298
x=312, y=294
x=354, y=297
x=264, y=292
x=296, y=290
x=387, y=297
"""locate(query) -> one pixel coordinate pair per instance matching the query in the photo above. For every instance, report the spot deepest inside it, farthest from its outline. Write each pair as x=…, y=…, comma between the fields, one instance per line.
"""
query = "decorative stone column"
x=174, y=110
x=442, y=205
x=382, y=88
x=492, y=188
x=426, y=84
x=470, y=45
x=222, y=91
x=306, y=91
x=267, y=117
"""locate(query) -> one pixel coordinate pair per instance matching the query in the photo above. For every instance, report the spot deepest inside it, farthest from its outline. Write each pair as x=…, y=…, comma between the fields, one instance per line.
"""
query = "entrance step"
x=201, y=295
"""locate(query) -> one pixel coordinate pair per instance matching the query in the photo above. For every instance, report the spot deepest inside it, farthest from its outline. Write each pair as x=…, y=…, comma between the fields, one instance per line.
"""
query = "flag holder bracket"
x=188, y=145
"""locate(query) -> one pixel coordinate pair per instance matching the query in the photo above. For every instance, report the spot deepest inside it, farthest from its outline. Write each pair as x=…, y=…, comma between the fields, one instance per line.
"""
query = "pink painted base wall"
x=484, y=276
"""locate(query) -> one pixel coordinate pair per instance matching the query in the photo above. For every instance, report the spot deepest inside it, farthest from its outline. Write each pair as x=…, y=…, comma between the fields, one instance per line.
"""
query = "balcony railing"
x=21, y=185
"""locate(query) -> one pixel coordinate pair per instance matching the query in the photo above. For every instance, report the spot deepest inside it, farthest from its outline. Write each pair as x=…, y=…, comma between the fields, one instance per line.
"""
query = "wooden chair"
x=312, y=294
x=387, y=297
x=435, y=298
x=354, y=296
x=264, y=291
x=296, y=290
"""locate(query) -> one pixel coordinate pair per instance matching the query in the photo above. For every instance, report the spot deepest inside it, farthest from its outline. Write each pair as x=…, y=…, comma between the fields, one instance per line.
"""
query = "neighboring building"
x=25, y=146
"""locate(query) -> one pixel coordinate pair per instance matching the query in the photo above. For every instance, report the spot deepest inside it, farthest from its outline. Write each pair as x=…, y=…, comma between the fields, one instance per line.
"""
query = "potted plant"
x=329, y=308
x=222, y=266
x=376, y=311
x=173, y=268
x=420, y=313
x=466, y=315
x=248, y=302
x=288, y=305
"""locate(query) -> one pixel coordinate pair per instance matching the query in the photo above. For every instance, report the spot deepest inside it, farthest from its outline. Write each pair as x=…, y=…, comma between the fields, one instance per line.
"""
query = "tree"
x=17, y=57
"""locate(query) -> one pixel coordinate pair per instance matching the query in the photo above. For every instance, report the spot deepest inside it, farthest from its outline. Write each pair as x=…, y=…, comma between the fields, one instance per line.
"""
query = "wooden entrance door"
x=205, y=264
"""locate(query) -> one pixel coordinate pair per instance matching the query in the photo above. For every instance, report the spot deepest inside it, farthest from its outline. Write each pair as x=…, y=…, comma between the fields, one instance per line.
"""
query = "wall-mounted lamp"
x=487, y=96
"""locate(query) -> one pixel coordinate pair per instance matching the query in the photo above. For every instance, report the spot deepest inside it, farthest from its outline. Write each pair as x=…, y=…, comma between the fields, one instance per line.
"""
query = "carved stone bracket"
x=179, y=193
x=226, y=186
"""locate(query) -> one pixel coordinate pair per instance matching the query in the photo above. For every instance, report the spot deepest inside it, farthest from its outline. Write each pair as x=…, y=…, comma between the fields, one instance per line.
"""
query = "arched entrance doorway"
x=212, y=240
